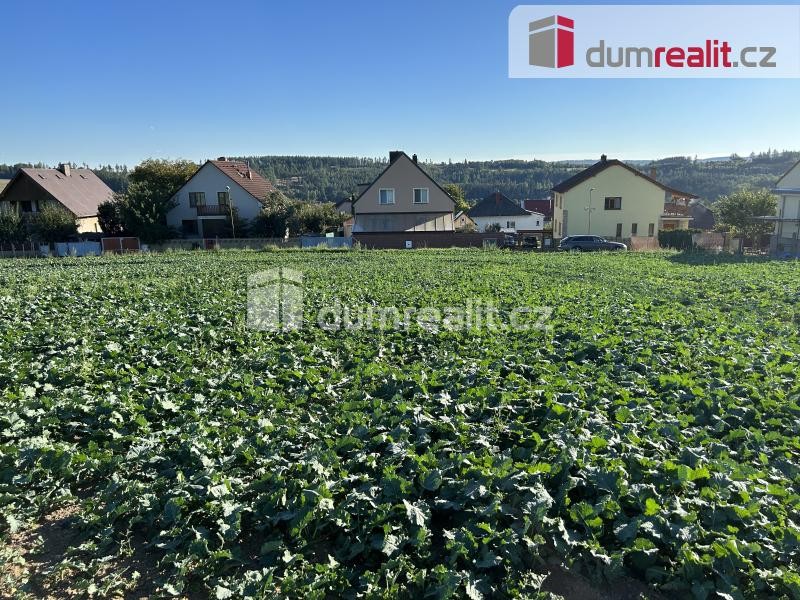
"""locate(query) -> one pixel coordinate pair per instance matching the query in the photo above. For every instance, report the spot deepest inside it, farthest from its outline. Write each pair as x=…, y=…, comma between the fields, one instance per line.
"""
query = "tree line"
x=333, y=178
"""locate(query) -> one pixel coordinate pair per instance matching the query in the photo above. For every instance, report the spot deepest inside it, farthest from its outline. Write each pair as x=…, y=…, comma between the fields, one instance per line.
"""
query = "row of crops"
x=651, y=432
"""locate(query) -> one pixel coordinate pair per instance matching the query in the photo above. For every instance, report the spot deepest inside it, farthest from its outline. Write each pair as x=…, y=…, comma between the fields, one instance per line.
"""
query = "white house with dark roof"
x=496, y=210
x=79, y=191
x=786, y=237
x=207, y=200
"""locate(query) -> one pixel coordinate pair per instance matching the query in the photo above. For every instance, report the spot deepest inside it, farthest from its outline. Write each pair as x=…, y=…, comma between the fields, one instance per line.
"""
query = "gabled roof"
x=80, y=192
x=497, y=205
x=240, y=172
x=394, y=156
x=544, y=206
x=792, y=168
x=604, y=164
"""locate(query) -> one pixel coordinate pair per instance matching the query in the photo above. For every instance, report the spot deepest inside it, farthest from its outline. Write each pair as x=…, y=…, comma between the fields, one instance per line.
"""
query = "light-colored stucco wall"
x=531, y=222
x=403, y=176
x=89, y=225
x=210, y=179
x=788, y=208
x=642, y=203
x=791, y=180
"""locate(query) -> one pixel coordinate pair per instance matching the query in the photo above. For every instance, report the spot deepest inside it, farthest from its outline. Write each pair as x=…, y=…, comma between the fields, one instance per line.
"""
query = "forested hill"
x=333, y=178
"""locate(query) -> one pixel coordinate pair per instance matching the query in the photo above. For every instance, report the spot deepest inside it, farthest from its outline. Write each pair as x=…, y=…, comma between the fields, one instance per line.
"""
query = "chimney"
x=652, y=172
x=64, y=168
x=414, y=158
x=603, y=158
x=394, y=155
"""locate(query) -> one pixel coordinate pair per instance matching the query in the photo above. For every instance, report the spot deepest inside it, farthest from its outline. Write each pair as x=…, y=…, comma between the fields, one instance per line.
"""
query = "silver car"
x=589, y=243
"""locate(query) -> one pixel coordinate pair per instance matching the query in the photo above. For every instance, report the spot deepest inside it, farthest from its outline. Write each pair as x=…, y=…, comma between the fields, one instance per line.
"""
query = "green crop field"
x=151, y=444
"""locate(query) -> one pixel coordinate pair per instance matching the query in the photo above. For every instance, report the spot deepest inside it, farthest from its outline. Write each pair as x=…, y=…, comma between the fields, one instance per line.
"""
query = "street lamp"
x=230, y=209
x=589, y=209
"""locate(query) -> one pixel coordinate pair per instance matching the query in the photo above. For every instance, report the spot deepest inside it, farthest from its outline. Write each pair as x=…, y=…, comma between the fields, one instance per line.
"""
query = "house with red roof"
x=207, y=201
x=79, y=191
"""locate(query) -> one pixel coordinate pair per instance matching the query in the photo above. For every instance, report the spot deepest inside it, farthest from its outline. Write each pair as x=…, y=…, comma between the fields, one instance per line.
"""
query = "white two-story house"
x=206, y=202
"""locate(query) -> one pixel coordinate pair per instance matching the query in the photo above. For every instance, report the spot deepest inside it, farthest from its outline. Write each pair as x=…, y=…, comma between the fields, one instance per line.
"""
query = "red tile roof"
x=249, y=179
x=80, y=192
x=544, y=207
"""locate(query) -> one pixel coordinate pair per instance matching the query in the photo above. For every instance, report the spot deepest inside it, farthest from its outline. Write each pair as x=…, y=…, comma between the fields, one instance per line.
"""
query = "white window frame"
x=414, y=195
x=380, y=190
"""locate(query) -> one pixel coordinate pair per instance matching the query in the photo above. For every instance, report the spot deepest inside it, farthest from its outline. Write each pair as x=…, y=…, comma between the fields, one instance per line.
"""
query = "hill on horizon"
x=333, y=178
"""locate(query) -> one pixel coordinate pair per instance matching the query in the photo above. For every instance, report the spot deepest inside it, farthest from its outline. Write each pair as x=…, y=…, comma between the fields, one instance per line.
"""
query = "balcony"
x=213, y=210
x=676, y=210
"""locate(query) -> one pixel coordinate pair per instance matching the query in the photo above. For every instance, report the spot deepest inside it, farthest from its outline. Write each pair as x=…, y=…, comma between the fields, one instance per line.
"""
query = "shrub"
x=12, y=228
x=678, y=239
x=54, y=224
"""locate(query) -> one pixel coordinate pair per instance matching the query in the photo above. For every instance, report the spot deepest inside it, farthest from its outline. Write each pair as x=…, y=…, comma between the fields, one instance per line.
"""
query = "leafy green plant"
x=651, y=433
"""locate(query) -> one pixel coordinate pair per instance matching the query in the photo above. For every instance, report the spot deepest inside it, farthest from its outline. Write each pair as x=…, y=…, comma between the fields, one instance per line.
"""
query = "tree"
x=12, y=227
x=273, y=220
x=149, y=197
x=456, y=192
x=54, y=224
x=738, y=211
x=314, y=218
x=109, y=214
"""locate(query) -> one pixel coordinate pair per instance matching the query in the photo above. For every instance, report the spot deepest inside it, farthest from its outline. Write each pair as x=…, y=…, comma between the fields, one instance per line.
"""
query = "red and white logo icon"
x=551, y=42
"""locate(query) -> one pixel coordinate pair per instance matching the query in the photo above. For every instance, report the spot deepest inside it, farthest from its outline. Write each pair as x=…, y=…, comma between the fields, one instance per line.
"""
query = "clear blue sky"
x=116, y=82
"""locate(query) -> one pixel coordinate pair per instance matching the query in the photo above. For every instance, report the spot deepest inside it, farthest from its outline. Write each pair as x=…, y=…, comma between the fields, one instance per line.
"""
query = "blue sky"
x=113, y=82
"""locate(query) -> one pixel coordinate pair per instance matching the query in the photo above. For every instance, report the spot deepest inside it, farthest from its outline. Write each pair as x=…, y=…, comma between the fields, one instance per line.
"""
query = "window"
x=223, y=198
x=619, y=230
x=386, y=196
x=651, y=229
x=511, y=224
x=420, y=195
x=189, y=226
x=613, y=203
x=634, y=228
x=197, y=199
x=26, y=206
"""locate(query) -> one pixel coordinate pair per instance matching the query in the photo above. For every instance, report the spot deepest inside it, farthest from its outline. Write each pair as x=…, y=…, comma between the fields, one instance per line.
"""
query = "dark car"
x=589, y=243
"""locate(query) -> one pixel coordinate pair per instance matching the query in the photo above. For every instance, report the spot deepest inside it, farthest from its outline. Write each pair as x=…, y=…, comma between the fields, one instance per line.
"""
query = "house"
x=543, y=206
x=79, y=191
x=497, y=211
x=402, y=198
x=787, y=221
x=346, y=207
x=463, y=222
x=614, y=200
x=702, y=216
x=206, y=202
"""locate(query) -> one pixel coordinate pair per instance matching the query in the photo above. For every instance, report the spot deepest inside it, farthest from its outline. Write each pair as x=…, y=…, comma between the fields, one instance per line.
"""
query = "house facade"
x=614, y=200
x=402, y=198
x=79, y=191
x=496, y=211
x=207, y=201
x=463, y=222
x=787, y=221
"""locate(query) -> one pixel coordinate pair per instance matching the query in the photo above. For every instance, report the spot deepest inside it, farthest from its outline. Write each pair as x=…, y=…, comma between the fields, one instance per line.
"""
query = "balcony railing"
x=213, y=210
x=679, y=210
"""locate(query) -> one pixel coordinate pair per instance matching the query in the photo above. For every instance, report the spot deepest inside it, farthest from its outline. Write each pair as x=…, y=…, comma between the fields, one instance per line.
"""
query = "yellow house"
x=787, y=225
x=614, y=200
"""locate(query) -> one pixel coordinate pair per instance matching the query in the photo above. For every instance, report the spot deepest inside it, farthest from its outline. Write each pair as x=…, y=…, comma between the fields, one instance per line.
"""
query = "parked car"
x=512, y=242
x=589, y=243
